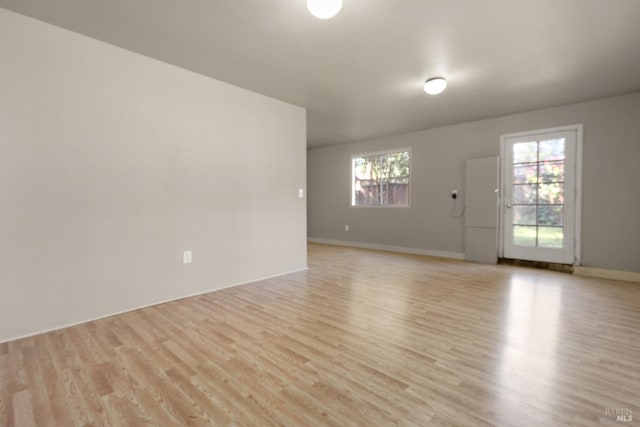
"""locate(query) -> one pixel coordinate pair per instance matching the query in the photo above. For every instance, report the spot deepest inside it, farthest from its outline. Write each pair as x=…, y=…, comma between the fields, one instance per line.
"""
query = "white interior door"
x=539, y=196
x=481, y=209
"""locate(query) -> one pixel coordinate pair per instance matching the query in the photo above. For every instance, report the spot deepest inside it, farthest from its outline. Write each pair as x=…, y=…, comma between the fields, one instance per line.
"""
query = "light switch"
x=187, y=257
x=300, y=193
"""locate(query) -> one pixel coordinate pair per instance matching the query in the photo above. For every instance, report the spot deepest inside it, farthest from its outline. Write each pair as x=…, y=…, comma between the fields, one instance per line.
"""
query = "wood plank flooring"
x=363, y=338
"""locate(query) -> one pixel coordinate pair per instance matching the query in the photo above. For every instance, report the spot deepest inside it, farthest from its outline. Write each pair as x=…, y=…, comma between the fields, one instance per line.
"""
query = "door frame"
x=578, y=129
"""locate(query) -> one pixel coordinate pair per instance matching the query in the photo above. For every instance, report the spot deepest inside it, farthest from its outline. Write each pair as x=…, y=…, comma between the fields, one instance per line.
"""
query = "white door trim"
x=579, y=129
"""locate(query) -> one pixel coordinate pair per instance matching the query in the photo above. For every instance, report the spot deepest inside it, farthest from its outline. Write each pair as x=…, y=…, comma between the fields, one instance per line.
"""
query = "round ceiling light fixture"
x=324, y=9
x=435, y=85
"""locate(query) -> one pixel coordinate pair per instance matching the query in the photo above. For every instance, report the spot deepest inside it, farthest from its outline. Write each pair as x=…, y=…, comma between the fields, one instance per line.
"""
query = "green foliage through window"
x=381, y=179
x=538, y=193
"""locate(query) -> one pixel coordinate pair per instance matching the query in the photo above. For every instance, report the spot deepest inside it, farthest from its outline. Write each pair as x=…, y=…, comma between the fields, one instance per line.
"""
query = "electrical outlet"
x=346, y=227
x=187, y=257
x=454, y=194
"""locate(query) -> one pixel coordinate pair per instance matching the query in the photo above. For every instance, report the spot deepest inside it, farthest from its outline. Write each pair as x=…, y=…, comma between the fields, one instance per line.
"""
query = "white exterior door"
x=540, y=195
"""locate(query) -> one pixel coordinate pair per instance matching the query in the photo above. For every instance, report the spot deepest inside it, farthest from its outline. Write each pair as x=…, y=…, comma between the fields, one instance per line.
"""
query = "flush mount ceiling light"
x=435, y=85
x=324, y=9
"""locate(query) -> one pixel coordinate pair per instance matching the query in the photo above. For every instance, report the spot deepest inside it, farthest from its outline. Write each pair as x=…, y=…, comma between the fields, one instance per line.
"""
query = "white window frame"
x=380, y=153
x=578, y=128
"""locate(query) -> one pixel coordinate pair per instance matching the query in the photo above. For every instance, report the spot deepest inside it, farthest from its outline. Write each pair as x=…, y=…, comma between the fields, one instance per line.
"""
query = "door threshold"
x=553, y=266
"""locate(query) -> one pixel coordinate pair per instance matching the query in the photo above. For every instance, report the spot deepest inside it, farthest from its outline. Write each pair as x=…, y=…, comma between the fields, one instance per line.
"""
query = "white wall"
x=611, y=177
x=111, y=164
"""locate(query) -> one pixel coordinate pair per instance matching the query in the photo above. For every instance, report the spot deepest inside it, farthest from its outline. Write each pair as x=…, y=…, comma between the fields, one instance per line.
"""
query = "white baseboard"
x=389, y=248
x=68, y=325
x=603, y=273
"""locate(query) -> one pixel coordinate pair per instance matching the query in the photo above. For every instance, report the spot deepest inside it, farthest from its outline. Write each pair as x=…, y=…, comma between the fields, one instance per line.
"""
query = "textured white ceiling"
x=360, y=74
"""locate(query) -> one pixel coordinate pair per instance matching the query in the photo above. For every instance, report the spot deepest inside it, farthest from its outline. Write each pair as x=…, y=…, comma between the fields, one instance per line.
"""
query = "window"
x=381, y=179
x=538, y=193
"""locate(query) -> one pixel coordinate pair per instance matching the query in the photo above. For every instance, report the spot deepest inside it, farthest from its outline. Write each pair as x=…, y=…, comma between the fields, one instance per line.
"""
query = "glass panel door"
x=539, y=186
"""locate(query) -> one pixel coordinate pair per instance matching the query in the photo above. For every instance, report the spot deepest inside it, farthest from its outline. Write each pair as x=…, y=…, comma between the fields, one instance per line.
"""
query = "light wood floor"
x=363, y=338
